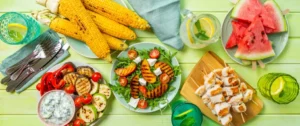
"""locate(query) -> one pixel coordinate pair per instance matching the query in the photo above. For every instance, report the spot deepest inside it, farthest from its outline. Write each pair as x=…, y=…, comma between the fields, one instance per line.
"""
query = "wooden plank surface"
x=20, y=109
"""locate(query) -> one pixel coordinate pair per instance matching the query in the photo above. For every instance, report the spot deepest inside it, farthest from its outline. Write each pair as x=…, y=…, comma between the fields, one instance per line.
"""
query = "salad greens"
x=144, y=54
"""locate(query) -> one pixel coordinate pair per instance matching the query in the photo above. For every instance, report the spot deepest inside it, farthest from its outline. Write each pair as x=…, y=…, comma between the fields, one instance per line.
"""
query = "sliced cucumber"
x=77, y=115
x=100, y=114
x=95, y=87
x=88, y=113
x=99, y=101
x=104, y=89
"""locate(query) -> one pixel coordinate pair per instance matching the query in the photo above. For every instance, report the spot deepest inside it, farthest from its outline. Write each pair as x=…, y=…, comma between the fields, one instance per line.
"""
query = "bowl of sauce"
x=56, y=108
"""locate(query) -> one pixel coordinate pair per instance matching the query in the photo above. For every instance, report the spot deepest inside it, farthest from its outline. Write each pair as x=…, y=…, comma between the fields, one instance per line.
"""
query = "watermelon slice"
x=247, y=10
x=255, y=45
x=237, y=34
x=280, y=23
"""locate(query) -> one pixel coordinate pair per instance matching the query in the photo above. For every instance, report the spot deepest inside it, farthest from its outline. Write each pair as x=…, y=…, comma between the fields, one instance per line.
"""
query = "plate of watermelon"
x=254, y=32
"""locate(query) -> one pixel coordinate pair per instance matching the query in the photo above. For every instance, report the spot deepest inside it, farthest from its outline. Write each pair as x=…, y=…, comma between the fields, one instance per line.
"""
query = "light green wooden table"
x=20, y=109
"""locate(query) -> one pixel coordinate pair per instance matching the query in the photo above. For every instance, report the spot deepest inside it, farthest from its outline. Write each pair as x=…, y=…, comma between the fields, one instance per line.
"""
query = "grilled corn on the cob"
x=116, y=12
x=112, y=28
x=76, y=13
x=67, y=28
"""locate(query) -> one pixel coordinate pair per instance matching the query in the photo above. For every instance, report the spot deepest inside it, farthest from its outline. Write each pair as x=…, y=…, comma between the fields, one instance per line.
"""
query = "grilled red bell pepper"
x=44, y=87
x=66, y=68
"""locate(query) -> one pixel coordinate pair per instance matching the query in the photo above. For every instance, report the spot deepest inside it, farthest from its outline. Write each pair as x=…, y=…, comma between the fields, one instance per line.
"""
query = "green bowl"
x=186, y=114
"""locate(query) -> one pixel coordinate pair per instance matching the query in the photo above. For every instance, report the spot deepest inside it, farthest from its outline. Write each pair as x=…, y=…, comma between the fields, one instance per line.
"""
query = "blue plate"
x=279, y=41
x=170, y=96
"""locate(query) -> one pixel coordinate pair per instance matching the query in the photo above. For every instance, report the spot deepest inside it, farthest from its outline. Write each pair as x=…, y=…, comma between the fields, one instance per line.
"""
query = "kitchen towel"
x=164, y=18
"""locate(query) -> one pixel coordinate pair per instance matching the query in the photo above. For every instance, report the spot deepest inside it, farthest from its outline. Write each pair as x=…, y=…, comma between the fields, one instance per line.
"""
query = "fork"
x=43, y=53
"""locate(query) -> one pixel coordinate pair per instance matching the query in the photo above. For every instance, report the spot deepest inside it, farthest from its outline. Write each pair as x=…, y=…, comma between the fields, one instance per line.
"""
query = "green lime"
x=277, y=86
x=183, y=114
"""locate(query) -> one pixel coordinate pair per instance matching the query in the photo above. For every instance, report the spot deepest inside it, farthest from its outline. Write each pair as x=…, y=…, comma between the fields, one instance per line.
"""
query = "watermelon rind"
x=236, y=8
x=279, y=15
x=255, y=56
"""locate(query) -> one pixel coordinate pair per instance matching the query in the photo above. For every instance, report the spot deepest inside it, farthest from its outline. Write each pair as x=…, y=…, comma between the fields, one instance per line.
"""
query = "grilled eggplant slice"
x=83, y=85
x=134, y=87
x=146, y=72
x=85, y=70
x=158, y=91
x=123, y=72
x=70, y=78
x=165, y=68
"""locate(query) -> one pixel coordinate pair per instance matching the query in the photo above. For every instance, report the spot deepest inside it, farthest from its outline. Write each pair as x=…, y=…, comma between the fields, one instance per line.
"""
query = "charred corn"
x=67, y=28
x=112, y=28
x=116, y=12
x=76, y=13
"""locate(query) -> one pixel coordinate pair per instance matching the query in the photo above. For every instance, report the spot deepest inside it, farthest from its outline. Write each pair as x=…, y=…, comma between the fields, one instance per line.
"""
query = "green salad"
x=144, y=77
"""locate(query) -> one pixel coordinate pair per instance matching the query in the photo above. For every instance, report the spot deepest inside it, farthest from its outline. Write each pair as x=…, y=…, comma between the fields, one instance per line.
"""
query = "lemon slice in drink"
x=208, y=26
x=16, y=31
x=277, y=86
x=188, y=22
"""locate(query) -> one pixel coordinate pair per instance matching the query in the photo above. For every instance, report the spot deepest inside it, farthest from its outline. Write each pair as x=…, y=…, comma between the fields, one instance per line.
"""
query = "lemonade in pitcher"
x=199, y=31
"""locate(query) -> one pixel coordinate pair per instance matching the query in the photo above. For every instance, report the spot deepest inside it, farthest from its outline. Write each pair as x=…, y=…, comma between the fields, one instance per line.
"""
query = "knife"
x=12, y=85
x=60, y=53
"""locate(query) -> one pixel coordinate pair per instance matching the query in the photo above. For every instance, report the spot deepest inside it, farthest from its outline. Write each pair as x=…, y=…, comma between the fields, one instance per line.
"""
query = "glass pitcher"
x=199, y=31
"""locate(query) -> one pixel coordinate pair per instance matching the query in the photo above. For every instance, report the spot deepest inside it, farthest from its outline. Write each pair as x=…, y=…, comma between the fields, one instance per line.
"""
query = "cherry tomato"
x=143, y=89
x=142, y=104
x=78, y=101
x=123, y=81
x=39, y=86
x=154, y=54
x=87, y=98
x=132, y=54
x=164, y=78
x=69, y=124
x=96, y=76
x=79, y=122
x=69, y=88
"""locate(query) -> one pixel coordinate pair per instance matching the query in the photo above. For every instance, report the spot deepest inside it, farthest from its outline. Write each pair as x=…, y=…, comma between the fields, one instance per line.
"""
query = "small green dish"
x=186, y=114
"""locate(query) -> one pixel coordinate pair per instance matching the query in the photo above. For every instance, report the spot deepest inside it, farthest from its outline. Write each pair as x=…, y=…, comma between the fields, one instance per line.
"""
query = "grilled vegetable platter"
x=146, y=77
x=84, y=83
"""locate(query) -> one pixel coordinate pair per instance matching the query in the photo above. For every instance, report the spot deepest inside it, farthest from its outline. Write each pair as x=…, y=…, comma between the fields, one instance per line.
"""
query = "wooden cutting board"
x=209, y=62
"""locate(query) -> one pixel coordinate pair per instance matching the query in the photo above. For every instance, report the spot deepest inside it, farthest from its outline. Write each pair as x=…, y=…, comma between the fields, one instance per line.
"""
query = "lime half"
x=277, y=86
x=16, y=31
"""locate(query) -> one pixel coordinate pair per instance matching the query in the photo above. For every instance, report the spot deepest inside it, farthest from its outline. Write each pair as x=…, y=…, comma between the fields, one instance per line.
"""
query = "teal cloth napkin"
x=26, y=50
x=37, y=76
x=164, y=18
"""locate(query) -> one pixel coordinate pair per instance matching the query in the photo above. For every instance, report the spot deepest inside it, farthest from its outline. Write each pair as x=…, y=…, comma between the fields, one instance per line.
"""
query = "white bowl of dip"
x=56, y=108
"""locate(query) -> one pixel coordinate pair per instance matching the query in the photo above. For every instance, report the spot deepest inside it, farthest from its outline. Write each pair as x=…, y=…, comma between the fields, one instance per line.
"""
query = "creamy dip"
x=56, y=108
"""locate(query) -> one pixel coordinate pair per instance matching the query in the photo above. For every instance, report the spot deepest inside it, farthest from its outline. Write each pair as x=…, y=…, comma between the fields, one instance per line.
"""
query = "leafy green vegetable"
x=171, y=88
x=124, y=91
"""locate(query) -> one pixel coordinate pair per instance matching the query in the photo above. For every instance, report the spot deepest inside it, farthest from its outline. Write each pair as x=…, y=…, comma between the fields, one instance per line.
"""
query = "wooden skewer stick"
x=254, y=102
x=254, y=65
x=224, y=63
x=245, y=113
x=243, y=117
x=195, y=82
x=261, y=64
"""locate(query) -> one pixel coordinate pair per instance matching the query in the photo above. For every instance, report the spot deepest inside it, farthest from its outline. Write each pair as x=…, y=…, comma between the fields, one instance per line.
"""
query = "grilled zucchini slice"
x=147, y=73
x=70, y=78
x=85, y=70
x=83, y=85
x=165, y=68
x=123, y=72
x=158, y=91
x=134, y=87
x=105, y=90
